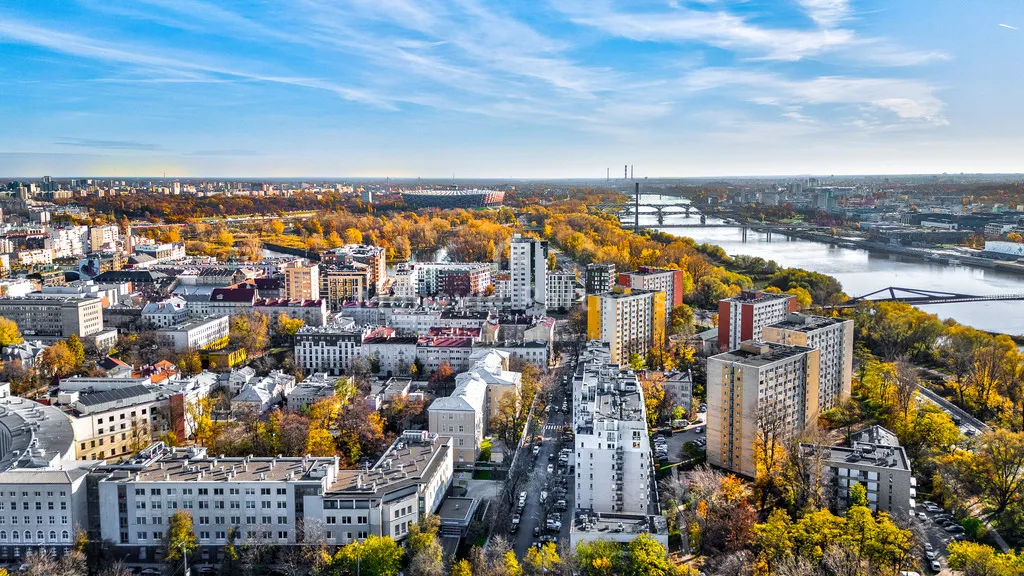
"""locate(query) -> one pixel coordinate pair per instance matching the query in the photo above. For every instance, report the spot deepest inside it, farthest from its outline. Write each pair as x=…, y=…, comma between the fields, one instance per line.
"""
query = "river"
x=862, y=272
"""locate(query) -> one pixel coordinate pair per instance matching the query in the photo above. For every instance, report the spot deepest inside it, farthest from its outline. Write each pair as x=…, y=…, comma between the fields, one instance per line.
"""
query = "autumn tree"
x=250, y=331
x=424, y=549
x=288, y=326
x=353, y=236
x=374, y=556
x=9, y=333
x=180, y=541
x=973, y=559
x=543, y=559
x=58, y=360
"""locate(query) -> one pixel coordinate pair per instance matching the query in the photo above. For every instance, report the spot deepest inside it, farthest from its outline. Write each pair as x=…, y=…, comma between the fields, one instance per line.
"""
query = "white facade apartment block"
x=196, y=334
x=612, y=448
x=170, y=312
x=528, y=263
x=46, y=316
x=561, y=290
x=405, y=282
x=833, y=337
x=41, y=509
x=756, y=386
x=326, y=349
x=265, y=499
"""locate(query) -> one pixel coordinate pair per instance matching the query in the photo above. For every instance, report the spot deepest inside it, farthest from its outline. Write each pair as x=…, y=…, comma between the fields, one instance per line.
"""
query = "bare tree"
x=805, y=467
x=769, y=451
x=906, y=384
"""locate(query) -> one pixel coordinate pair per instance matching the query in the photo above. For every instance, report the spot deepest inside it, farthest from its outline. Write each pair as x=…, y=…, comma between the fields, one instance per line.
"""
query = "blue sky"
x=512, y=88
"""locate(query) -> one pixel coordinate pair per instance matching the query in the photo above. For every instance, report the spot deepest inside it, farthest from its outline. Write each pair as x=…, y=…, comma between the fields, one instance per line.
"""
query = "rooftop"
x=751, y=296
x=807, y=322
x=413, y=456
x=159, y=463
x=40, y=435
x=619, y=523
x=755, y=353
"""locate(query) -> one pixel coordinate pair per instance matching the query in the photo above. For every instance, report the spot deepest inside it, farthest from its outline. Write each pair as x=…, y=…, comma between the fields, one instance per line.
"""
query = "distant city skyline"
x=552, y=89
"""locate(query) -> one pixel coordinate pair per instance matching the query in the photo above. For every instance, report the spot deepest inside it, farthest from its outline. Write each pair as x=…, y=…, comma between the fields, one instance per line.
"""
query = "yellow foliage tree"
x=9, y=333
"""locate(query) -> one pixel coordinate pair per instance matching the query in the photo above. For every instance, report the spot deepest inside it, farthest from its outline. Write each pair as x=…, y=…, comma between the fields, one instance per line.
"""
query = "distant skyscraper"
x=528, y=263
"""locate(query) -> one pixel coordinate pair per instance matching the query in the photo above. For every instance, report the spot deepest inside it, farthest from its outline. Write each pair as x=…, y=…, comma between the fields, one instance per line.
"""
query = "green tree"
x=374, y=556
x=9, y=333
x=180, y=540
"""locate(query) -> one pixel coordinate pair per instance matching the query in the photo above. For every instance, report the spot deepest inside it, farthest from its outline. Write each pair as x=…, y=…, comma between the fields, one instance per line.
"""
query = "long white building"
x=612, y=447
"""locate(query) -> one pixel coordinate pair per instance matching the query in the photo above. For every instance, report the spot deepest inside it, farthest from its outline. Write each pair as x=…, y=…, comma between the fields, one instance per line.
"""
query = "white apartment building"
x=875, y=460
x=54, y=317
x=327, y=349
x=745, y=316
x=195, y=334
x=66, y=242
x=833, y=337
x=561, y=290
x=170, y=312
x=629, y=322
x=167, y=252
x=265, y=499
x=411, y=479
x=42, y=488
x=528, y=265
x=461, y=416
x=405, y=282
x=301, y=282
x=37, y=257
x=758, y=387
x=395, y=354
x=614, y=472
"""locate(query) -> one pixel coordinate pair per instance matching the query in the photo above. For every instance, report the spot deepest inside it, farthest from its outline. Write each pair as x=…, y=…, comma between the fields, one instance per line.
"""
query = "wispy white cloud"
x=163, y=65
x=826, y=13
x=906, y=100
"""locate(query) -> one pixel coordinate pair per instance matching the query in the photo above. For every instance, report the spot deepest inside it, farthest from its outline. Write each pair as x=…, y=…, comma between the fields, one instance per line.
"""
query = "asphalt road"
x=539, y=480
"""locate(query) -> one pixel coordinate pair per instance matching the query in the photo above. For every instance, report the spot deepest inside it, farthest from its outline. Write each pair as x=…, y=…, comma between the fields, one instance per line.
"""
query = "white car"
x=936, y=567
x=551, y=468
x=931, y=554
x=928, y=546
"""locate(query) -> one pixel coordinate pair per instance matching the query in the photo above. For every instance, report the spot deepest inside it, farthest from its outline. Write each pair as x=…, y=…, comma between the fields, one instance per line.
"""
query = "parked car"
x=551, y=468
x=928, y=546
x=936, y=567
x=931, y=554
x=922, y=515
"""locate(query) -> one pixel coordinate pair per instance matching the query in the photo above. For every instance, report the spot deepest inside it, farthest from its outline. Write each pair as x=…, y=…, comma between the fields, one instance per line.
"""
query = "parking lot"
x=931, y=532
x=676, y=441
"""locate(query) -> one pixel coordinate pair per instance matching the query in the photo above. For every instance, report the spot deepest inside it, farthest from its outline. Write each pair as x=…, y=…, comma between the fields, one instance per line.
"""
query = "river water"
x=862, y=272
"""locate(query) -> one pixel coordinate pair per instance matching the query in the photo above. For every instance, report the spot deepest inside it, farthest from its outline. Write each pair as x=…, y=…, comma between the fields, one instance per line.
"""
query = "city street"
x=534, y=515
